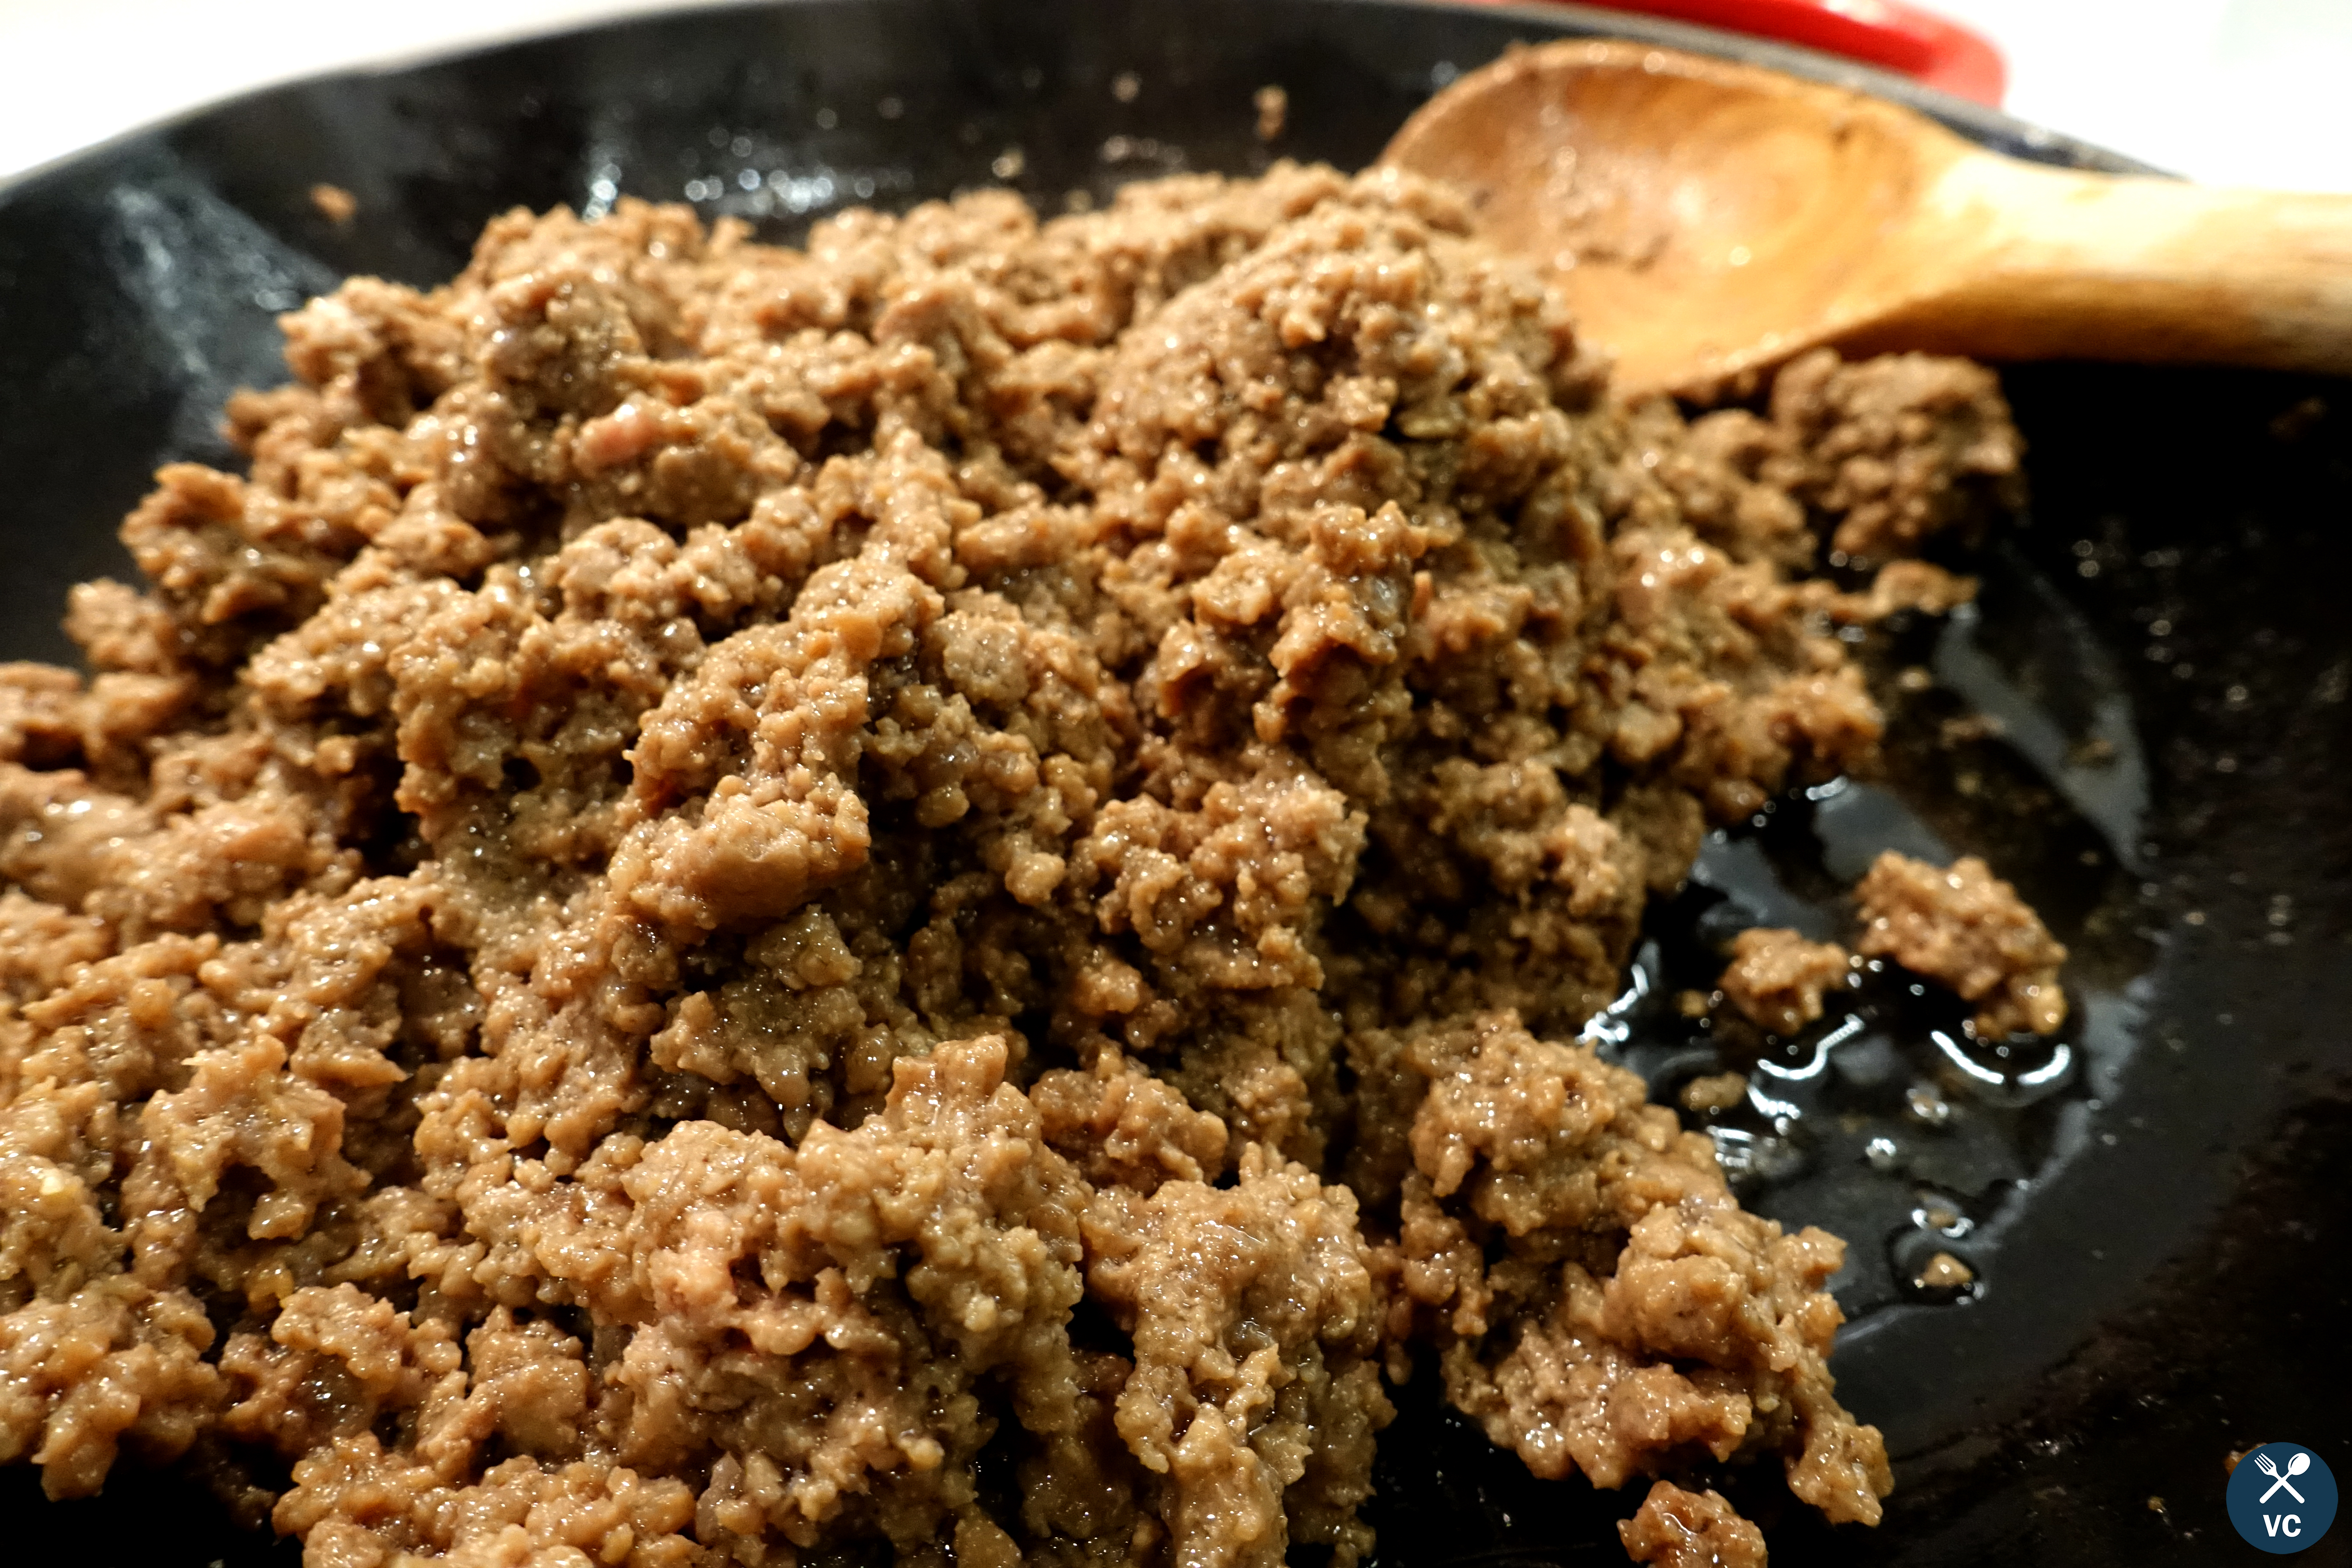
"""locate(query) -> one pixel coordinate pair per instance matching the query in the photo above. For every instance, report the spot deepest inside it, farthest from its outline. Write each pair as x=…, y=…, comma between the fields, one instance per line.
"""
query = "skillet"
x=2161, y=1237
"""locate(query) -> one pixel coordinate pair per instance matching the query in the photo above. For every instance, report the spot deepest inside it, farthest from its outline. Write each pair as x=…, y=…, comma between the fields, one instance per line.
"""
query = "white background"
x=2232, y=91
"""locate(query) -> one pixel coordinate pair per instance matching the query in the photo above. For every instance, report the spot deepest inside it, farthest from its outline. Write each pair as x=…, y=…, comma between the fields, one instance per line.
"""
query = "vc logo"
x=2282, y=1497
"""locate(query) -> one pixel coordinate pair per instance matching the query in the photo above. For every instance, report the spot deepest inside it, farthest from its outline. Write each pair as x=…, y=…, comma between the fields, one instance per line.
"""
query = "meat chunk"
x=1963, y=928
x=1776, y=978
x=1675, y=1528
x=1895, y=450
x=1603, y=1304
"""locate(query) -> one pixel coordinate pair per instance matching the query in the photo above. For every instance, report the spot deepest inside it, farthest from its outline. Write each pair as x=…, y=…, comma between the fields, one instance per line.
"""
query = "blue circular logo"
x=2282, y=1497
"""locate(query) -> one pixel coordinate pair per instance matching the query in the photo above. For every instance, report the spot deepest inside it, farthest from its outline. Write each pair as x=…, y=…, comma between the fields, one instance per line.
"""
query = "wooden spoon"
x=1707, y=218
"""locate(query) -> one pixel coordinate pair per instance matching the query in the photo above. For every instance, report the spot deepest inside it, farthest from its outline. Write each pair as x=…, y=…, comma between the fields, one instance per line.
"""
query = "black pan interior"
x=2161, y=1236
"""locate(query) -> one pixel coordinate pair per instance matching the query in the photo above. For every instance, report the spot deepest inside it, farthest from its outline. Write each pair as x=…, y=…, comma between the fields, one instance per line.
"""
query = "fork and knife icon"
x=2295, y=1467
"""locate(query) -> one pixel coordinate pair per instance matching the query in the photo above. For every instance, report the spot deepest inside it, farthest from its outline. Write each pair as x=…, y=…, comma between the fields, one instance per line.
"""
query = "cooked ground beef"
x=1965, y=929
x=1776, y=977
x=1601, y=1302
x=1675, y=1528
x=925, y=892
x=1944, y=1272
x=1899, y=448
x=1714, y=1091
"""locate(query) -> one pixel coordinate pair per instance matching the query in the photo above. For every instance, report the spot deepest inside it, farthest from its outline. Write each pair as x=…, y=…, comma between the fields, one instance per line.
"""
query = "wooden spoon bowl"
x=1707, y=218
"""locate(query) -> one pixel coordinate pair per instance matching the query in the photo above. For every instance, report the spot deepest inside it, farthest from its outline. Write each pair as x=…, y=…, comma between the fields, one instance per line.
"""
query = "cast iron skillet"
x=2162, y=1234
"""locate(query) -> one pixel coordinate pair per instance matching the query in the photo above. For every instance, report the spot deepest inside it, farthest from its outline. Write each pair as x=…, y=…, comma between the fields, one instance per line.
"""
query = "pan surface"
x=2159, y=1219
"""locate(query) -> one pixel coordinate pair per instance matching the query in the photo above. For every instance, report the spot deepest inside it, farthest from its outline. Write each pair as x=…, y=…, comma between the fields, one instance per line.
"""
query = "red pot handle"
x=1884, y=33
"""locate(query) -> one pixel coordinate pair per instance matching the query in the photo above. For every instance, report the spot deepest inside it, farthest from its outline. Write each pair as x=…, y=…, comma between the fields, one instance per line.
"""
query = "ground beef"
x=1599, y=1302
x=1675, y=1528
x=1776, y=977
x=1895, y=450
x=1965, y=928
x=747, y=903
x=1714, y=1091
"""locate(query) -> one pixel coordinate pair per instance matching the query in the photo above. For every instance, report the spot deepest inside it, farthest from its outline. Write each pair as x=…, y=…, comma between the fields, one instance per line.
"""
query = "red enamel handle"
x=1884, y=33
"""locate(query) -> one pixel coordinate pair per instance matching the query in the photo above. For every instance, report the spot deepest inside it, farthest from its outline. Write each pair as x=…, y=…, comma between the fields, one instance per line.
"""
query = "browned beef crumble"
x=1675, y=1528
x=1966, y=930
x=1776, y=979
x=732, y=876
x=1714, y=1091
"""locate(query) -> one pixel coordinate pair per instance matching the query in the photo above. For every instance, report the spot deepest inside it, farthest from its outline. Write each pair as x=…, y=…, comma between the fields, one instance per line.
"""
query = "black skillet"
x=2162, y=1234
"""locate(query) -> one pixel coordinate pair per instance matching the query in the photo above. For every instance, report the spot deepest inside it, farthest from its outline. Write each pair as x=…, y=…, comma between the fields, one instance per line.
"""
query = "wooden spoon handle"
x=2049, y=264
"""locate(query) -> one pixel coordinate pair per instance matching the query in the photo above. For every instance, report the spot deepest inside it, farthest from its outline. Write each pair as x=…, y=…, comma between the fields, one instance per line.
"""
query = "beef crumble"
x=1776, y=978
x=1968, y=929
x=1675, y=1528
x=930, y=891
